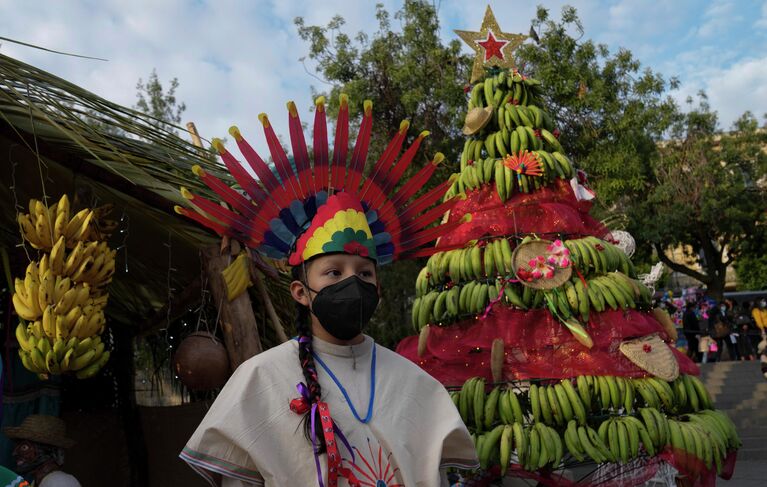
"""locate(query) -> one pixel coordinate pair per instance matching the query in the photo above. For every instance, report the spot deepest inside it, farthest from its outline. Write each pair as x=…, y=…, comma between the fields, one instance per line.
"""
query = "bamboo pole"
x=258, y=279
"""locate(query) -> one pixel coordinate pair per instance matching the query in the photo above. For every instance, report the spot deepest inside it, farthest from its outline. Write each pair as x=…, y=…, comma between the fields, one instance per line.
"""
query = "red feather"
x=425, y=236
x=360, y=153
x=425, y=201
x=430, y=216
x=404, y=162
x=242, y=177
x=340, y=145
x=235, y=199
x=265, y=175
x=417, y=182
x=281, y=161
x=300, y=154
x=383, y=165
x=199, y=218
x=248, y=228
x=321, y=176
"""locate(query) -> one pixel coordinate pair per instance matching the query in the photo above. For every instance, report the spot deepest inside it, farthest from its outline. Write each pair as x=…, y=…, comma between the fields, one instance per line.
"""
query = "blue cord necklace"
x=343, y=390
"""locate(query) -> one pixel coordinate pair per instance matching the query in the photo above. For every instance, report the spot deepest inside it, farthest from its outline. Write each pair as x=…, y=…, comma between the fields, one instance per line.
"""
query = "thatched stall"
x=56, y=138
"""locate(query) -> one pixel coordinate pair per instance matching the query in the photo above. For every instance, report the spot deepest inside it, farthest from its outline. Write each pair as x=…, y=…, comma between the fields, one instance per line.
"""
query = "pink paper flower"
x=540, y=268
x=558, y=254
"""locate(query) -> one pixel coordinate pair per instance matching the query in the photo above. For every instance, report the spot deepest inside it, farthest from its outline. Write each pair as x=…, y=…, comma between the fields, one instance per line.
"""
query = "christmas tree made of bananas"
x=543, y=422
x=62, y=297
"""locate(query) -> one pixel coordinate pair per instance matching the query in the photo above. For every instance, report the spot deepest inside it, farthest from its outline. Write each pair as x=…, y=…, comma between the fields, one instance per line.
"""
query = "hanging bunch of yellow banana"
x=62, y=297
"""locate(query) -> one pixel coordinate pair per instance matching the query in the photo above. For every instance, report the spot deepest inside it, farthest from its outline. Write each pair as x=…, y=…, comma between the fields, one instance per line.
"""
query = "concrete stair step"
x=753, y=444
x=751, y=454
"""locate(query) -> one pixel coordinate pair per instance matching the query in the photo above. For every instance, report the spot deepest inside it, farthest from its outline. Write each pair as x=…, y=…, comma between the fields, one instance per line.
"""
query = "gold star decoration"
x=493, y=47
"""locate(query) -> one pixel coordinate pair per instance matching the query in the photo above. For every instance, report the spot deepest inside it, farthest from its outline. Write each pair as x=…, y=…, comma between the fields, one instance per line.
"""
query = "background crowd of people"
x=725, y=330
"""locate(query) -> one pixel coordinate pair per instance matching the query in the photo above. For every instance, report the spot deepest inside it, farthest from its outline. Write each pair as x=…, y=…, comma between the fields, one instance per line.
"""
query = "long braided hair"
x=306, y=359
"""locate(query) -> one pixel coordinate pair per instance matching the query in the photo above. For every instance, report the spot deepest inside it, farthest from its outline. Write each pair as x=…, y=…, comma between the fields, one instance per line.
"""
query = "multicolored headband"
x=304, y=209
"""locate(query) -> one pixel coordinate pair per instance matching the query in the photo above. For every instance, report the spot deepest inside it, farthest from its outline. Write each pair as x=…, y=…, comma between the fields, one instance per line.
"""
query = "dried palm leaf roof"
x=56, y=137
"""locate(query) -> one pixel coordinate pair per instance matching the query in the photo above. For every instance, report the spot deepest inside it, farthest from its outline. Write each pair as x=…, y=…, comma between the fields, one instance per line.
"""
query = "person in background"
x=746, y=331
x=691, y=330
x=706, y=346
x=720, y=330
x=762, y=350
x=39, y=450
x=759, y=313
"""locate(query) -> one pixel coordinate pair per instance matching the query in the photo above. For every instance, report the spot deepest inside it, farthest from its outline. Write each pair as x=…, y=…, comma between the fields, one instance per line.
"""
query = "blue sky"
x=235, y=59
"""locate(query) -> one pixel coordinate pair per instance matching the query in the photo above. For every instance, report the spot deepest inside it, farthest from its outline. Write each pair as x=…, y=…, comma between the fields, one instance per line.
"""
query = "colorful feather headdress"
x=302, y=210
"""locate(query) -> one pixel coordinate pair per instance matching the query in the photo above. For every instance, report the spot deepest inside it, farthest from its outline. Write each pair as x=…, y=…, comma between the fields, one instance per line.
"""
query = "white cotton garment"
x=58, y=478
x=251, y=435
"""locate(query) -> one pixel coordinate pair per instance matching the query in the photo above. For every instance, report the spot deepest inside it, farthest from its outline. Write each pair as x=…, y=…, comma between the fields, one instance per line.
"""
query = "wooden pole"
x=194, y=134
x=258, y=281
x=238, y=322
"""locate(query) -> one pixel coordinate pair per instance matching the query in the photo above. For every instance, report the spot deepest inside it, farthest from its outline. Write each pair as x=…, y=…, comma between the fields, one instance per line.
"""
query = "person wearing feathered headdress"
x=329, y=407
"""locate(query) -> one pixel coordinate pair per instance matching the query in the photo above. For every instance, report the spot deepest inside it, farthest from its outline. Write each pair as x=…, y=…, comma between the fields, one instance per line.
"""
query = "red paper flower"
x=466, y=88
x=537, y=133
x=647, y=348
x=541, y=268
x=555, y=133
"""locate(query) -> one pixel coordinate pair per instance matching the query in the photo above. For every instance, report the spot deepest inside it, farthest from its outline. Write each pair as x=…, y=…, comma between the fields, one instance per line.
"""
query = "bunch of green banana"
x=511, y=116
x=622, y=435
x=656, y=393
x=613, y=393
x=592, y=254
x=556, y=164
x=44, y=355
x=504, y=87
x=237, y=276
x=690, y=394
x=557, y=404
x=707, y=436
x=471, y=402
x=584, y=442
x=477, y=261
x=510, y=408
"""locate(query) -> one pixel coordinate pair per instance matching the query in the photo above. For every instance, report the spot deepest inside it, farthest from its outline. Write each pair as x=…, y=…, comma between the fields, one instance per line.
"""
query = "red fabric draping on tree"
x=537, y=345
x=549, y=211
x=694, y=470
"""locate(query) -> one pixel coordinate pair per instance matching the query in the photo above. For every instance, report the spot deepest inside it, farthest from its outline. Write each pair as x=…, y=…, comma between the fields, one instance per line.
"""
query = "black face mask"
x=345, y=308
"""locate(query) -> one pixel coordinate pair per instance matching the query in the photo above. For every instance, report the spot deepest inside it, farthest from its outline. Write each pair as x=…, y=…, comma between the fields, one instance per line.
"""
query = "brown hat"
x=476, y=119
x=48, y=430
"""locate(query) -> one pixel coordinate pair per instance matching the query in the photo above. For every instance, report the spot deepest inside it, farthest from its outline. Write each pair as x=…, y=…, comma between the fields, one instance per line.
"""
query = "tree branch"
x=680, y=267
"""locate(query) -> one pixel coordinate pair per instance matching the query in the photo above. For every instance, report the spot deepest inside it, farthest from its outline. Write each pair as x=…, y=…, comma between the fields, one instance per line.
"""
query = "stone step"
x=752, y=454
x=750, y=443
x=738, y=376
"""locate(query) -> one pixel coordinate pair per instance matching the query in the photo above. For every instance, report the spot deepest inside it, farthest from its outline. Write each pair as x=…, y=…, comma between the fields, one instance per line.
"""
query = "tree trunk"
x=716, y=270
x=237, y=319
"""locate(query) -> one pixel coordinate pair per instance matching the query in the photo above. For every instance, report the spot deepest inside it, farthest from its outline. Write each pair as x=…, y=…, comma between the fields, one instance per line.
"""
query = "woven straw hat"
x=476, y=119
x=652, y=355
x=524, y=253
x=48, y=430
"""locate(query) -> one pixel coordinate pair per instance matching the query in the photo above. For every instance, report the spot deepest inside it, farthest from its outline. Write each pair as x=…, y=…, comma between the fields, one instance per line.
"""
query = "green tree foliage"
x=707, y=191
x=610, y=111
x=751, y=266
x=155, y=101
x=613, y=115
